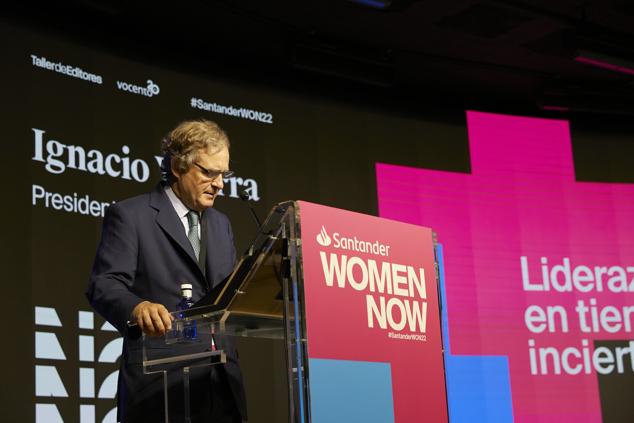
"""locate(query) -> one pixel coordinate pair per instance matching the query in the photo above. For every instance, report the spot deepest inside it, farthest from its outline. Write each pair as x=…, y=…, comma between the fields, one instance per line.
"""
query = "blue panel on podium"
x=350, y=391
x=478, y=387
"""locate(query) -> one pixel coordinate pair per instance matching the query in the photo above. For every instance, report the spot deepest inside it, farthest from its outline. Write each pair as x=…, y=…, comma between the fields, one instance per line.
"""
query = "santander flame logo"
x=322, y=238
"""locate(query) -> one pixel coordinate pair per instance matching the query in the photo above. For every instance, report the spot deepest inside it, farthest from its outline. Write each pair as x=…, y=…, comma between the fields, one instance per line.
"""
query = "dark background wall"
x=326, y=136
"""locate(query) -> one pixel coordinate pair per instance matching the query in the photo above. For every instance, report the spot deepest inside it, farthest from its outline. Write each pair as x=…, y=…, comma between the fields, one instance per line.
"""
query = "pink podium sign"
x=371, y=296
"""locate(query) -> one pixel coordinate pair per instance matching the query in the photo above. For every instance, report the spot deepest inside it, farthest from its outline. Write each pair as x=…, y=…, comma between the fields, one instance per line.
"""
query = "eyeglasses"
x=213, y=173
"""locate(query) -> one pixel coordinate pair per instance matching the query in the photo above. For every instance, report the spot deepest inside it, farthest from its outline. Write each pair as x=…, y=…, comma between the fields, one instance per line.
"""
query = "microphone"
x=245, y=196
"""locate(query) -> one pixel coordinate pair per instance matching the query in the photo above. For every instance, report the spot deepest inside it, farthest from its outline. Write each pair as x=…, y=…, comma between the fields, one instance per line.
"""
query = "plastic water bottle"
x=188, y=327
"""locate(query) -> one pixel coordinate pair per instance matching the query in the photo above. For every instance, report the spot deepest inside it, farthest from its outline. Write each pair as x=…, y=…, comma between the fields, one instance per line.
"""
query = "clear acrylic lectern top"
x=262, y=298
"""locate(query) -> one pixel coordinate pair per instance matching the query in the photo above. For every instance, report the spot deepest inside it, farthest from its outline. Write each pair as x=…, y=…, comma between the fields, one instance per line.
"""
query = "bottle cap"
x=186, y=286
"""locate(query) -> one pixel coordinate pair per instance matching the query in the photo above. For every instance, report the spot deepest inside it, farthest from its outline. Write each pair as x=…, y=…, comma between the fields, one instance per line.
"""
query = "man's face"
x=198, y=188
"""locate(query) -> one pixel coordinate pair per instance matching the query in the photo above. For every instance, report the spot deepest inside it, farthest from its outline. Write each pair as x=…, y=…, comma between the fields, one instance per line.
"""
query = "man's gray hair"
x=182, y=144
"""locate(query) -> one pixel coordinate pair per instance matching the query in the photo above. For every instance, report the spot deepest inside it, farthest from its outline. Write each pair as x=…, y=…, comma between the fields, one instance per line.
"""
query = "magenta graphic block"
x=537, y=264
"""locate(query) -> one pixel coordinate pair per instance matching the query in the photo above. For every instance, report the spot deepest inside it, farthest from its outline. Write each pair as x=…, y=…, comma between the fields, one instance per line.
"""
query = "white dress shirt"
x=180, y=207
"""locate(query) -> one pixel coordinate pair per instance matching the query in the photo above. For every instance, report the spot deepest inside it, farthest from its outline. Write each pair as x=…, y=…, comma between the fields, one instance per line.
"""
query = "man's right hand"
x=152, y=318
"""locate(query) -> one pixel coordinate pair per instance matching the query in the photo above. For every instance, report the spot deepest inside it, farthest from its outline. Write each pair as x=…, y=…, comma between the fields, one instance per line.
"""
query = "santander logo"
x=322, y=238
x=339, y=241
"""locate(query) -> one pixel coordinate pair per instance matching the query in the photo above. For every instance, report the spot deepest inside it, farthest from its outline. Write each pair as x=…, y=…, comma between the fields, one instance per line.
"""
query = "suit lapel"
x=211, y=234
x=168, y=220
x=202, y=256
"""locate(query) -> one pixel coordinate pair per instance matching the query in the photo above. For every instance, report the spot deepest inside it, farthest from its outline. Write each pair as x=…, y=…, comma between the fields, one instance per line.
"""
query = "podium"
x=354, y=300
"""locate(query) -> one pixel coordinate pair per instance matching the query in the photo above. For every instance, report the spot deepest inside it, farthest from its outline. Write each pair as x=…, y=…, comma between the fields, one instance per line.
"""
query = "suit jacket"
x=144, y=254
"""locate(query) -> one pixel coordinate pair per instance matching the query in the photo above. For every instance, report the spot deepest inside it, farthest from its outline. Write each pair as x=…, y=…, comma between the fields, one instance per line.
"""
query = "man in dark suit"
x=150, y=245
